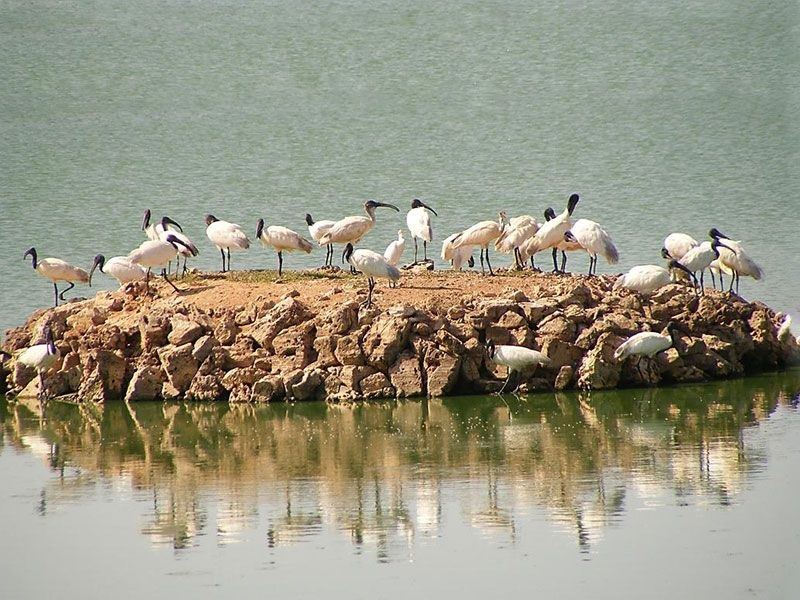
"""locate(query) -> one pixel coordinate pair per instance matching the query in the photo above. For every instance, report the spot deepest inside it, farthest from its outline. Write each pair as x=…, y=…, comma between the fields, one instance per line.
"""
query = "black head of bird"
x=309, y=220
x=99, y=263
x=716, y=234
x=373, y=204
x=490, y=348
x=175, y=242
x=259, y=228
x=717, y=243
x=674, y=264
x=549, y=213
x=417, y=203
x=146, y=219
x=569, y=237
x=572, y=203
x=166, y=222
x=32, y=253
x=211, y=219
x=665, y=254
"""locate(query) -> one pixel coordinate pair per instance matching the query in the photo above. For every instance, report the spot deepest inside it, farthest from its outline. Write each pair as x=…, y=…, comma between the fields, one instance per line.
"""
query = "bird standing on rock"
x=226, y=236
x=551, y=233
x=41, y=357
x=372, y=265
x=57, y=270
x=316, y=229
x=646, y=279
x=120, y=268
x=646, y=344
x=482, y=234
x=457, y=256
x=157, y=253
x=595, y=240
x=419, y=224
x=736, y=259
x=282, y=239
x=516, y=358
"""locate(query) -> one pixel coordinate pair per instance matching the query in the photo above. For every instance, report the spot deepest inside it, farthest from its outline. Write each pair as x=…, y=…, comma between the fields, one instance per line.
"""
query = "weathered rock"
x=284, y=314
x=406, y=376
x=103, y=378
x=564, y=377
x=267, y=389
x=308, y=386
x=203, y=347
x=442, y=371
x=183, y=332
x=348, y=351
x=153, y=331
x=240, y=376
x=599, y=369
x=376, y=385
x=386, y=337
x=145, y=384
x=179, y=365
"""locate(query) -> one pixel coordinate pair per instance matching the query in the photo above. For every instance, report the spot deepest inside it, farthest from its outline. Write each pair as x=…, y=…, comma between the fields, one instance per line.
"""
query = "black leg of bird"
x=483, y=271
x=555, y=260
x=164, y=275
x=425, y=250
x=55, y=290
x=415, y=250
x=488, y=263
x=221, y=251
x=563, y=262
x=65, y=290
x=280, y=263
x=229, y=259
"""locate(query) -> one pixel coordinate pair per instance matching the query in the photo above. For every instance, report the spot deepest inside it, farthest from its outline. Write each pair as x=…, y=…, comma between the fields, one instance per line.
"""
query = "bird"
x=520, y=229
x=394, y=251
x=646, y=344
x=57, y=270
x=120, y=268
x=418, y=220
x=646, y=279
x=352, y=229
x=157, y=253
x=154, y=230
x=717, y=267
x=316, y=229
x=457, y=256
x=41, y=357
x=226, y=236
x=282, y=239
x=168, y=226
x=372, y=265
x=700, y=257
x=516, y=358
x=678, y=244
x=482, y=234
x=551, y=233
x=595, y=240
x=736, y=259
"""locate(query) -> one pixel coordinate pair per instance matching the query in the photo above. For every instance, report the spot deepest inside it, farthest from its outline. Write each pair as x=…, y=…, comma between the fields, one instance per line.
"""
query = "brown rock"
x=226, y=330
x=184, y=332
x=406, y=376
x=103, y=376
x=599, y=369
x=376, y=385
x=284, y=314
x=153, y=332
x=179, y=365
x=203, y=347
x=384, y=340
x=309, y=386
x=240, y=376
x=348, y=351
x=442, y=370
x=564, y=377
x=512, y=320
x=205, y=387
x=267, y=389
x=145, y=384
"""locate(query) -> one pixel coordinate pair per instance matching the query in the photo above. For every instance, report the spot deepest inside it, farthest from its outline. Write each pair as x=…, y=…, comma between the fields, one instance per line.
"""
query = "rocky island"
x=250, y=337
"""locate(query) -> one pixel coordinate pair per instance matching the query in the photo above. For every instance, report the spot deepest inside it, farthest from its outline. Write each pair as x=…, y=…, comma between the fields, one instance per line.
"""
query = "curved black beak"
x=167, y=221
x=665, y=254
x=99, y=262
x=569, y=237
x=32, y=253
x=259, y=228
x=146, y=219
x=429, y=208
x=387, y=205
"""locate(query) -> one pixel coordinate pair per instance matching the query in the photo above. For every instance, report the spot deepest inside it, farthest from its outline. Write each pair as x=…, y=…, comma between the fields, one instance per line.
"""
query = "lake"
x=665, y=117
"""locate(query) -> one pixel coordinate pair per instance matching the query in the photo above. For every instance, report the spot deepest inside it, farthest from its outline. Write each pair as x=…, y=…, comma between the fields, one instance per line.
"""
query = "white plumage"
x=516, y=358
x=645, y=344
x=394, y=251
x=281, y=239
x=482, y=234
x=226, y=236
x=457, y=257
x=551, y=233
x=316, y=229
x=646, y=279
x=57, y=270
x=520, y=229
x=701, y=256
x=121, y=268
x=40, y=357
x=350, y=230
x=372, y=265
x=678, y=244
x=418, y=220
x=735, y=257
x=595, y=240
x=156, y=253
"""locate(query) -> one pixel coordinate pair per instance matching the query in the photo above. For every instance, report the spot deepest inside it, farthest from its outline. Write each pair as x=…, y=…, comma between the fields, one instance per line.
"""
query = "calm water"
x=664, y=118
x=682, y=493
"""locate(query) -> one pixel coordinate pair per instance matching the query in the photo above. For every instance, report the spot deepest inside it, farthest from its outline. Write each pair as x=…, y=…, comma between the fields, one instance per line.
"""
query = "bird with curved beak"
x=281, y=239
x=120, y=268
x=516, y=358
x=419, y=224
x=736, y=259
x=157, y=253
x=700, y=257
x=57, y=270
x=372, y=265
x=646, y=344
x=41, y=357
x=316, y=230
x=350, y=230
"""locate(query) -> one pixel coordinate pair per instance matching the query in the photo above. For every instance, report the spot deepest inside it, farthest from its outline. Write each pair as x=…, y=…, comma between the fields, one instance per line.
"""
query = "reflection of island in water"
x=391, y=473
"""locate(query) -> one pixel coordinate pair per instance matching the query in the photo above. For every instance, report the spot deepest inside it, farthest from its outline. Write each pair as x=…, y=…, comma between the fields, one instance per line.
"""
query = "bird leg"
x=147, y=281
x=555, y=260
x=563, y=261
x=280, y=263
x=510, y=373
x=488, y=263
x=185, y=260
x=424, y=250
x=164, y=275
x=229, y=259
x=65, y=290
x=533, y=264
x=55, y=287
x=221, y=251
x=736, y=273
x=371, y=285
x=483, y=271
x=329, y=256
x=702, y=283
x=415, y=250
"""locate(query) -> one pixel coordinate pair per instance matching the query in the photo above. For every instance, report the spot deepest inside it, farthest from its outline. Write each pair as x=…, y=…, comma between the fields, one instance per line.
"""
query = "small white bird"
x=226, y=236
x=41, y=357
x=482, y=234
x=646, y=279
x=595, y=240
x=419, y=224
x=736, y=259
x=699, y=258
x=157, y=253
x=350, y=230
x=120, y=268
x=551, y=233
x=282, y=239
x=372, y=265
x=166, y=227
x=678, y=244
x=57, y=270
x=516, y=358
x=646, y=344
x=520, y=229
x=394, y=251
x=457, y=257
x=153, y=231
x=316, y=229
x=785, y=329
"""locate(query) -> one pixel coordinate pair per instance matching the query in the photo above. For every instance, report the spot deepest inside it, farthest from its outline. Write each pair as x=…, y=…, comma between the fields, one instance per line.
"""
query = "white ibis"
x=520, y=230
x=166, y=227
x=372, y=265
x=418, y=220
x=226, y=236
x=350, y=230
x=282, y=239
x=646, y=279
x=516, y=358
x=551, y=233
x=457, y=257
x=40, y=357
x=153, y=231
x=595, y=240
x=482, y=234
x=316, y=229
x=157, y=253
x=57, y=270
x=700, y=257
x=394, y=251
x=678, y=244
x=646, y=344
x=736, y=259
x=120, y=268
